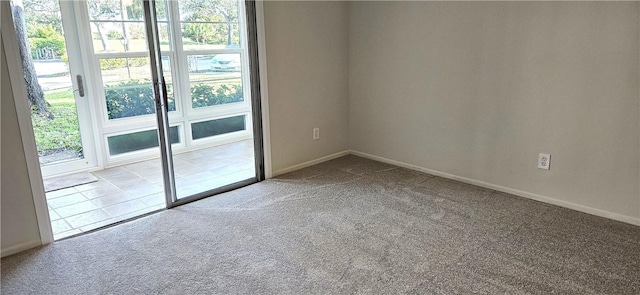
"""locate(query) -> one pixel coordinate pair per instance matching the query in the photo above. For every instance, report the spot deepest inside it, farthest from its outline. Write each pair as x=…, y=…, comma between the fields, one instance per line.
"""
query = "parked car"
x=226, y=62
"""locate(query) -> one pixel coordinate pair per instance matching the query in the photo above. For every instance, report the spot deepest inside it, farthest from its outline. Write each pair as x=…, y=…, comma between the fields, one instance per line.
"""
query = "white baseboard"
x=561, y=203
x=310, y=163
x=20, y=247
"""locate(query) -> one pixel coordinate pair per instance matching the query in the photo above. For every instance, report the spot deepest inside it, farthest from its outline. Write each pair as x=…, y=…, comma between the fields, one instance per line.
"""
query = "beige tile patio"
x=90, y=217
x=66, y=200
x=93, y=185
x=113, y=199
x=127, y=191
x=132, y=183
x=144, y=190
x=76, y=209
x=60, y=193
x=154, y=200
x=109, y=172
x=60, y=226
x=101, y=192
x=126, y=175
x=53, y=215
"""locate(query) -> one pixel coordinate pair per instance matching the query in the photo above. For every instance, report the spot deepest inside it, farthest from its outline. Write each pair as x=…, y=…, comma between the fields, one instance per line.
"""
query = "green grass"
x=61, y=133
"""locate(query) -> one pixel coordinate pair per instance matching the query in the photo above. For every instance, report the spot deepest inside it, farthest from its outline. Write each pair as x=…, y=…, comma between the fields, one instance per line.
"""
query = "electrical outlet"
x=316, y=133
x=544, y=161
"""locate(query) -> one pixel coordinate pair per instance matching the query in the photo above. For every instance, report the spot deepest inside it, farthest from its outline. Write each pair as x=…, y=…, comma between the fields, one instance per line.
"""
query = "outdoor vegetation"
x=135, y=98
x=61, y=133
x=205, y=95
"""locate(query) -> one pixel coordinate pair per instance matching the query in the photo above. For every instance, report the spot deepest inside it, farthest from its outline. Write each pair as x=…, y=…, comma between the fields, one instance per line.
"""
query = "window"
x=120, y=48
x=203, y=61
x=218, y=127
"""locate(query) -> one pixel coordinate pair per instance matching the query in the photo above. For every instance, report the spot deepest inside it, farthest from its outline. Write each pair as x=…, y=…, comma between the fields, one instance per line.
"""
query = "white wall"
x=19, y=225
x=308, y=77
x=477, y=90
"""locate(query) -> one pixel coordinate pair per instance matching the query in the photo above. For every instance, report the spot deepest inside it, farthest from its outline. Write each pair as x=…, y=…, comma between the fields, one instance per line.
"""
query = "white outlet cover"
x=544, y=161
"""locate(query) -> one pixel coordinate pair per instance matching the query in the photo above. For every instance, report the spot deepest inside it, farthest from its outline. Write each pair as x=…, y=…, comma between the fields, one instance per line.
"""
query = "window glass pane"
x=209, y=24
x=124, y=37
x=202, y=36
x=104, y=10
x=118, y=25
x=216, y=127
x=207, y=10
x=122, y=10
x=133, y=9
x=163, y=33
x=215, y=79
x=161, y=10
x=107, y=36
x=131, y=142
x=128, y=91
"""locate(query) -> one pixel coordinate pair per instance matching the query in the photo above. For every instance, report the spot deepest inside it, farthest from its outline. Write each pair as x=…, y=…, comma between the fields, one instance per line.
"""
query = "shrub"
x=114, y=63
x=203, y=95
x=138, y=61
x=44, y=32
x=132, y=98
x=45, y=41
x=135, y=98
x=53, y=44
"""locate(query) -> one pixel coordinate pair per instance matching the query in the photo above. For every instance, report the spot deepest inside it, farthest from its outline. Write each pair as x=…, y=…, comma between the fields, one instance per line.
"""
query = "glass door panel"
x=217, y=102
x=127, y=86
x=215, y=79
x=212, y=96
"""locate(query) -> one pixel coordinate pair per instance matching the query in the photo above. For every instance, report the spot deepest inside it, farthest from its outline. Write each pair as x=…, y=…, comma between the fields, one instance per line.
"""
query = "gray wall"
x=308, y=78
x=19, y=224
x=478, y=89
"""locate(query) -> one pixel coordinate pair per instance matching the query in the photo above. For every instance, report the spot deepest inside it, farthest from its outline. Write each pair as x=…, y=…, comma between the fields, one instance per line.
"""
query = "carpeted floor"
x=346, y=226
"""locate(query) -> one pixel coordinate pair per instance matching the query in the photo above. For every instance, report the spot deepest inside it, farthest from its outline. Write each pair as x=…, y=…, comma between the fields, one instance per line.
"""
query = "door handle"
x=164, y=93
x=80, y=85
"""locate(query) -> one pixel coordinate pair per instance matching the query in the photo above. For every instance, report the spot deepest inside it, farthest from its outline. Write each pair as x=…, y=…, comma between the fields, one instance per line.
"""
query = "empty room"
x=320, y=147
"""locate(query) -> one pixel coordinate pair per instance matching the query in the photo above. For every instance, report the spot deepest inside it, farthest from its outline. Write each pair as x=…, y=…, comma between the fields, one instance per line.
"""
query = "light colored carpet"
x=348, y=226
x=58, y=183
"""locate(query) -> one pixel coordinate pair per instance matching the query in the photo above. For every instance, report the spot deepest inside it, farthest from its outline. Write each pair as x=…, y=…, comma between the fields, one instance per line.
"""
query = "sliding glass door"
x=195, y=51
x=210, y=98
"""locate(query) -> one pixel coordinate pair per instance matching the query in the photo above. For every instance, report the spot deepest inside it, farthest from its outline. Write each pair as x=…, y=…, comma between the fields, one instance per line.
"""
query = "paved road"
x=52, y=74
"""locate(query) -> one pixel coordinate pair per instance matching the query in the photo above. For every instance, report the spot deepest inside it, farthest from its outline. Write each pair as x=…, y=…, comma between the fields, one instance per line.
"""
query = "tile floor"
x=127, y=191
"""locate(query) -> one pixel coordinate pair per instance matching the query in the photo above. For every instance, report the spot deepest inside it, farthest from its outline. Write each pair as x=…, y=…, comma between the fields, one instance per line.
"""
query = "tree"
x=103, y=9
x=135, y=10
x=35, y=95
x=42, y=13
x=202, y=32
x=227, y=9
